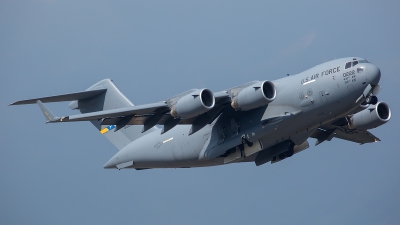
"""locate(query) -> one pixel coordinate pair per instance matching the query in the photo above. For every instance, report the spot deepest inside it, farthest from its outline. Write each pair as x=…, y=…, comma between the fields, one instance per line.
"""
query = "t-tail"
x=103, y=95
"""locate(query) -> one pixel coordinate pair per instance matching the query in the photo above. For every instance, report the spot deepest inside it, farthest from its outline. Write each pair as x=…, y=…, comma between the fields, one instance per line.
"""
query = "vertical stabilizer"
x=110, y=99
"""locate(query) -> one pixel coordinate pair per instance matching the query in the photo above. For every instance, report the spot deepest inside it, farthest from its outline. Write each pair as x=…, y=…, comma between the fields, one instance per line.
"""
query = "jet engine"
x=193, y=104
x=254, y=96
x=371, y=117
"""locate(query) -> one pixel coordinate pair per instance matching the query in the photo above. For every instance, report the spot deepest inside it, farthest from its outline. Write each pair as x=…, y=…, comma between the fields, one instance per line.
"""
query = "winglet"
x=50, y=117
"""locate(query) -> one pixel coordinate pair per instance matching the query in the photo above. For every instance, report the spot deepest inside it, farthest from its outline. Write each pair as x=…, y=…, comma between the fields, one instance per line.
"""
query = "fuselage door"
x=323, y=95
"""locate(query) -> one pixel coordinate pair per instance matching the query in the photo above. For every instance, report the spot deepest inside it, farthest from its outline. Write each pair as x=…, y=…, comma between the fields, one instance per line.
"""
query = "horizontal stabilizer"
x=62, y=98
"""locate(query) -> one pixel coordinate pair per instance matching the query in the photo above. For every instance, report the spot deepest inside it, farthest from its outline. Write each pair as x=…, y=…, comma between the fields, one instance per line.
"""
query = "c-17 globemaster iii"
x=260, y=121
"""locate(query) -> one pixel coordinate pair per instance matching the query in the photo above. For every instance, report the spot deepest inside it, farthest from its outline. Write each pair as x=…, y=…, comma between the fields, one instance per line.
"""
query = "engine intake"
x=193, y=104
x=371, y=117
x=254, y=96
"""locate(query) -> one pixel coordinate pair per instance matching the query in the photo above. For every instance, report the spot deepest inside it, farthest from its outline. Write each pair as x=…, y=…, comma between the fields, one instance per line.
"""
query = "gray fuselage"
x=317, y=95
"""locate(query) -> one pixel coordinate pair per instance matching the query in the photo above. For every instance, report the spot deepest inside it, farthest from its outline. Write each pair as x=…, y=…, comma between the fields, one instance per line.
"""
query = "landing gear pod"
x=373, y=116
x=193, y=104
x=254, y=96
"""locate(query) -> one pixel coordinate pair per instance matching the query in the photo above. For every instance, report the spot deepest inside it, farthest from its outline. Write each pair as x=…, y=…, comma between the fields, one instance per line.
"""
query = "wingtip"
x=49, y=116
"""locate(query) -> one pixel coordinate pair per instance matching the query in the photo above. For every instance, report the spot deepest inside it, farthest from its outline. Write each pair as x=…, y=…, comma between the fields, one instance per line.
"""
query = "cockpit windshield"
x=351, y=64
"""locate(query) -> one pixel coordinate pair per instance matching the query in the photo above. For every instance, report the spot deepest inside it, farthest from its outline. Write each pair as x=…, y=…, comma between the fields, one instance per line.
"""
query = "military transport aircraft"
x=260, y=121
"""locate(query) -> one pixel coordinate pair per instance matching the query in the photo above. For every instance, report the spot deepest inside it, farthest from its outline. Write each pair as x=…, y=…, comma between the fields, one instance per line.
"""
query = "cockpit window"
x=349, y=64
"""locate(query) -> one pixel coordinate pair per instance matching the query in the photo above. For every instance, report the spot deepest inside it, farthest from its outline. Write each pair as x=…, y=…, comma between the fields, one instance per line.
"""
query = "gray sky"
x=53, y=174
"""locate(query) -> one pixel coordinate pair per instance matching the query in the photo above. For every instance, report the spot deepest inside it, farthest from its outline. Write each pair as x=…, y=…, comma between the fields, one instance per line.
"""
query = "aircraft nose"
x=374, y=74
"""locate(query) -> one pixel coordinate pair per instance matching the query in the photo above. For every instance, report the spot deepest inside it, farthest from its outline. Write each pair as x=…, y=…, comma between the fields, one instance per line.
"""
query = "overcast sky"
x=53, y=174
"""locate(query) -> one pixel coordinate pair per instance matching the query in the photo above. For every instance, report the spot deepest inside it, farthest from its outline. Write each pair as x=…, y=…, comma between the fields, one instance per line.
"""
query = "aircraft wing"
x=339, y=129
x=136, y=110
x=148, y=115
x=357, y=136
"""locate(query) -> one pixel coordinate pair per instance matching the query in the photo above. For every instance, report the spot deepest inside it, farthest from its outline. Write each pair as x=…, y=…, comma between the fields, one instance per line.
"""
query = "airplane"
x=260, y=121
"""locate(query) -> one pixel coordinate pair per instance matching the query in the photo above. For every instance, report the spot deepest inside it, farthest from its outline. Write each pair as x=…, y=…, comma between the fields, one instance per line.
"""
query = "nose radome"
x=374, y=74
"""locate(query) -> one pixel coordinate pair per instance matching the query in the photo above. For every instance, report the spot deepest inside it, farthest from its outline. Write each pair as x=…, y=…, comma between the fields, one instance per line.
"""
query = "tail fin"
x=110, y=99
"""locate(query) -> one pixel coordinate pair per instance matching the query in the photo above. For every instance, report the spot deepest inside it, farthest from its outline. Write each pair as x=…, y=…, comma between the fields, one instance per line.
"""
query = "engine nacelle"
x=254, y=96
x=373, y=116
x=193, y=104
